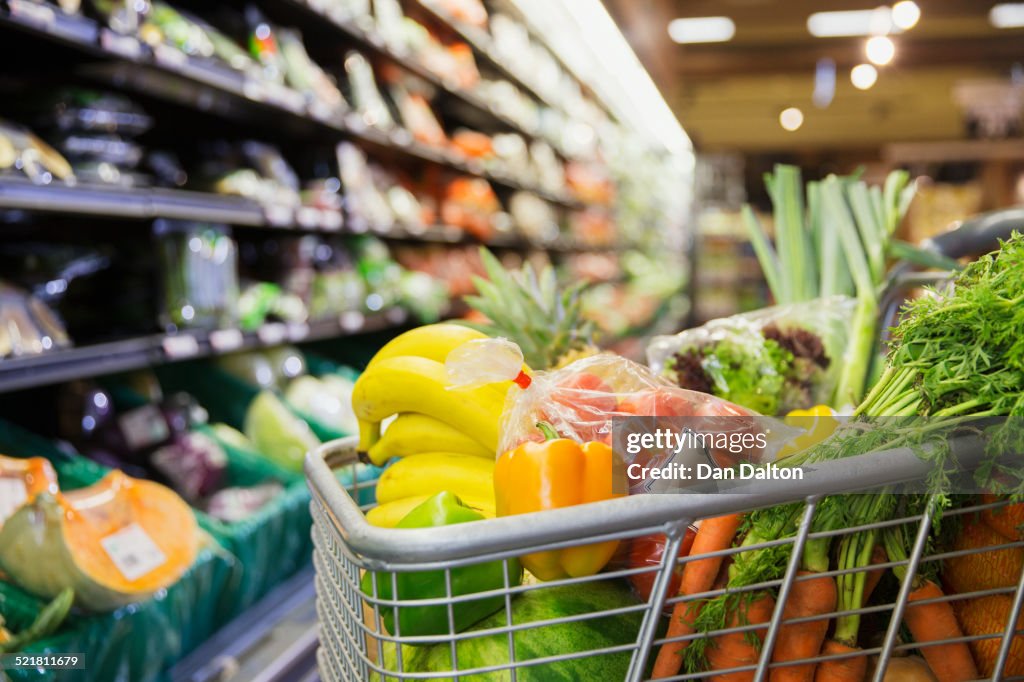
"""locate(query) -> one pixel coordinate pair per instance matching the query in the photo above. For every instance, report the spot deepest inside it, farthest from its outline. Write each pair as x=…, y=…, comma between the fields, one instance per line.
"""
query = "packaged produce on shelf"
x=264, y=47
x=120, y=16
x=303, y=74
x=272, y=369
x=510, y=102
x=590, y=182
x=453, y=265
x=365, y=203
x=594, y=227
x=115, y=542
x=594, y=267
x=163, y=25
x=199, y=264
x=24, y=154
x=390, y=22
x=473, y=144
x=364, y=94
x=773, y=360
x=533, y=216
x=442, y=509
x=27, y=325
x=262, y=302
x=546, y=168
x=416, y=114
x=469, y=12
x=470, y=204
x=253, y=170
x=337, y=287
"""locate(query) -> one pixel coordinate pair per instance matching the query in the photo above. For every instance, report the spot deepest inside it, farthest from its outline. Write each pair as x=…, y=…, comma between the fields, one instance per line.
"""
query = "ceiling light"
x=791, y=119
x=1007, y=15
x=905, y=14
x=863, y=76
x=865, y=22
x=880, y=50
x=702, y=30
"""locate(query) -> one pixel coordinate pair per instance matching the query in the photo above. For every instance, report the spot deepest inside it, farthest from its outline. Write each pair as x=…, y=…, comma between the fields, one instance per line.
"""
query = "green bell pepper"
x=443, y=509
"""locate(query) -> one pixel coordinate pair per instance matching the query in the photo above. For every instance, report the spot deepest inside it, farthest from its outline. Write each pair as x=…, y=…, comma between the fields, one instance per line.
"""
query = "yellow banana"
x=432, y=472
x=412, y=384
x=369, y=433
x=388, y=515
x=433, y=341
x=412, y=433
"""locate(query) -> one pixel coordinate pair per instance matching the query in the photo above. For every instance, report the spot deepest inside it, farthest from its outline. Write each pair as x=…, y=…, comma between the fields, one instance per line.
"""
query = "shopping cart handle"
x=980, y=234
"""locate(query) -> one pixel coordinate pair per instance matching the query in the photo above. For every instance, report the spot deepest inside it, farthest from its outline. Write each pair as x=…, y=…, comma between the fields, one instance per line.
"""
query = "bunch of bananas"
x=446, y=438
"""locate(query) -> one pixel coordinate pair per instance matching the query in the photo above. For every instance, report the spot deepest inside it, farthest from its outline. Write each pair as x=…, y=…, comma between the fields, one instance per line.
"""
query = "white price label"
x=226, y=340
x=126, y=46
x=13, y=494
x=181, y=346
x=272, y=334
x=33, y=13
x=298, y=331
x=133, y=551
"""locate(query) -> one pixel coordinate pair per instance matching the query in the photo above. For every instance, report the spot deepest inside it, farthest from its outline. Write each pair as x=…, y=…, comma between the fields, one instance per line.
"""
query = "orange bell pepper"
x=556, y=473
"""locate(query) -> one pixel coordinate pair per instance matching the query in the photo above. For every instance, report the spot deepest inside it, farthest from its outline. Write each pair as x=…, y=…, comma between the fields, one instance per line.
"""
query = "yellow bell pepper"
x=818, y=424
x=556, y=473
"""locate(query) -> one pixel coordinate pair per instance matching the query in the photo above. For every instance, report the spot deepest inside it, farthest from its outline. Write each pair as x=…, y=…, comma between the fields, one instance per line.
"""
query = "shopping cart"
x=356, y=646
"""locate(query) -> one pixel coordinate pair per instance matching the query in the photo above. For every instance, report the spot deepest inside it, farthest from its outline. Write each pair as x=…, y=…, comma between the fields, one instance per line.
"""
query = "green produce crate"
x=274, y=542
x=226, y=397
x=136, y=643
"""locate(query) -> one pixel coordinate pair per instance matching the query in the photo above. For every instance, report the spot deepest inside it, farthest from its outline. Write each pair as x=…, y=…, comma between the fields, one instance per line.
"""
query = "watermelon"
x=540, y=642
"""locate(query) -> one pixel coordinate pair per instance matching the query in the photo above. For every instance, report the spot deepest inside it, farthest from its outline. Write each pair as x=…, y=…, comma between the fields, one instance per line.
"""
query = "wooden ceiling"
x=728, y=95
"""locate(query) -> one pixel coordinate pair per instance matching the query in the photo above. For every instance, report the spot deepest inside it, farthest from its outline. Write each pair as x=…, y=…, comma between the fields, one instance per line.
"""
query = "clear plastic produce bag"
x=772, y=361
x=607, y=398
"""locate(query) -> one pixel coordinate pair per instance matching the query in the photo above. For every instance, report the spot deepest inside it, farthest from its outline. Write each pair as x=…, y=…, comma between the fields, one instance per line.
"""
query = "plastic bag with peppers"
x=556, y=446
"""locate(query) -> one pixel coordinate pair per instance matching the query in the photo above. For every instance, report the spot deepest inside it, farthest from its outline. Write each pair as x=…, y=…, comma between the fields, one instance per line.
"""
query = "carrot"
x=714, y=535
x=878, y=556
x=841, y=669
x=736, y=649
x=934, y=622
x=796, y=641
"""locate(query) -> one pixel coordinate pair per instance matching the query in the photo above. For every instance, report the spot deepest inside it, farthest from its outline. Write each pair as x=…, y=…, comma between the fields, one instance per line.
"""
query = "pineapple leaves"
x=527, y=307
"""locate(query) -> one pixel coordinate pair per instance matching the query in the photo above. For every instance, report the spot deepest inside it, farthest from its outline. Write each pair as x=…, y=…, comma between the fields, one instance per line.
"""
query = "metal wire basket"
x=355, y=646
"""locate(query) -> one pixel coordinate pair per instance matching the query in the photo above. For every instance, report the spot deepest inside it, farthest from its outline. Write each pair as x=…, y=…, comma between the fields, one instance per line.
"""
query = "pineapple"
x=526, y=307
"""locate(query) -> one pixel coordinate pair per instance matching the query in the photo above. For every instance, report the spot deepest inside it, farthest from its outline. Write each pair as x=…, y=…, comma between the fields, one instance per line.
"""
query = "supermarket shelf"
x=223, y=92
x=136, y=353
x=150, y=203
x=273, y=641
x=364, y=33
x=483, y=45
